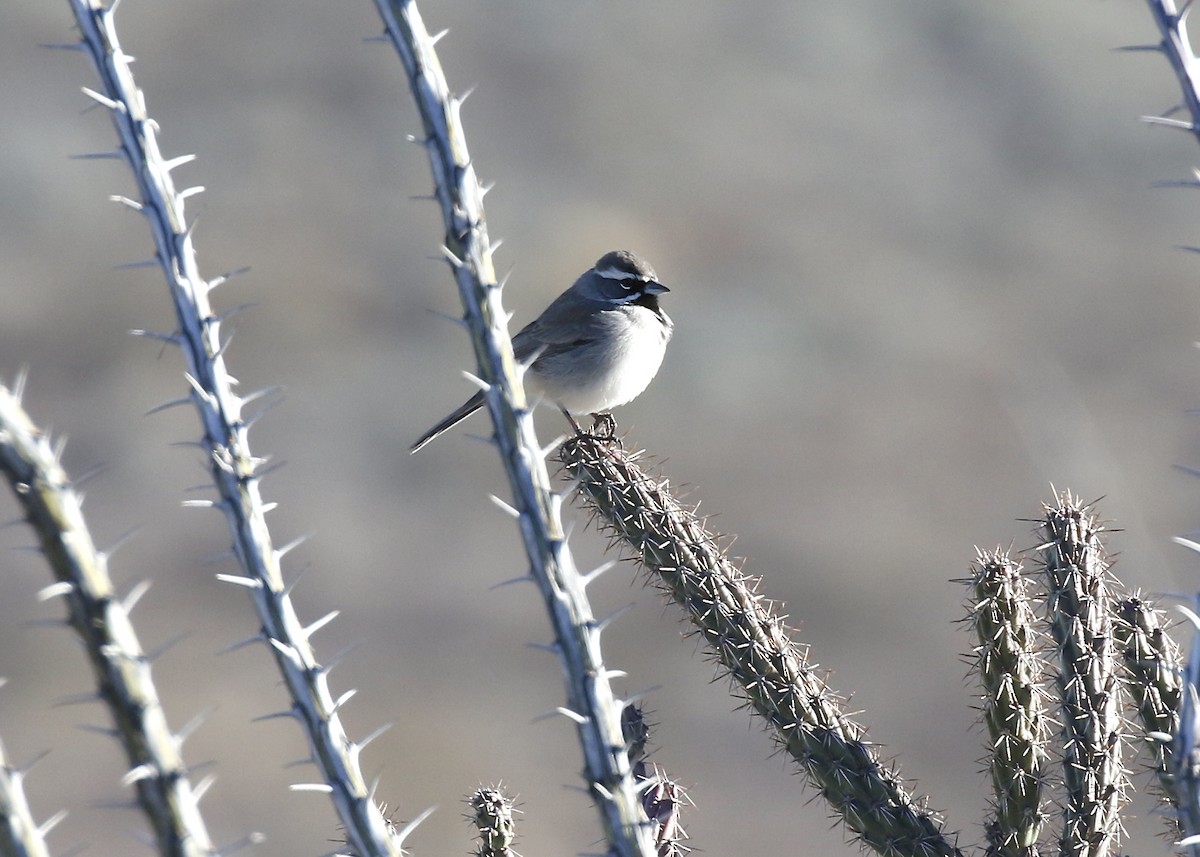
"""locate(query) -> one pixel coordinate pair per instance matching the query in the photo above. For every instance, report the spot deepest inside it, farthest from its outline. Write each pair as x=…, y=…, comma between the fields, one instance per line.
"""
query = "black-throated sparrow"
x=597, y=346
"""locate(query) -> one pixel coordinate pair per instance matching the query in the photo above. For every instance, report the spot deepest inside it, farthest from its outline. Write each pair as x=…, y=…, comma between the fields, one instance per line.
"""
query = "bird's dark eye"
x=631, y=285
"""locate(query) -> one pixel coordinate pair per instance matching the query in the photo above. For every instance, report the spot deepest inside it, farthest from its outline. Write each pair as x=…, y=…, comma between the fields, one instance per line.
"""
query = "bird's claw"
x=604, y=427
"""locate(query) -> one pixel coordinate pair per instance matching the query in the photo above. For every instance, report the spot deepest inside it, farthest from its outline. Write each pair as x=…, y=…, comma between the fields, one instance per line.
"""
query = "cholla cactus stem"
x=1153, y=673
x=746, y=634
x=1080, y=605
x=1011, y=677
x=492, y=814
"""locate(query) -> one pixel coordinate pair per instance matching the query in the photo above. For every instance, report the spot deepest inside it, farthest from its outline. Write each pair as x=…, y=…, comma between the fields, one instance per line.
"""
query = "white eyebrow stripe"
x=620, y=274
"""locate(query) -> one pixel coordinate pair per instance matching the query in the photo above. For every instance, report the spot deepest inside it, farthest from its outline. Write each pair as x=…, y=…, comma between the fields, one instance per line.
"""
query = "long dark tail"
x=469, y=407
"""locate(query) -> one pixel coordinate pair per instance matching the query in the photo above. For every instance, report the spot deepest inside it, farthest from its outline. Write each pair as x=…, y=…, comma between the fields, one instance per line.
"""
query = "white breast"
x=617, y=371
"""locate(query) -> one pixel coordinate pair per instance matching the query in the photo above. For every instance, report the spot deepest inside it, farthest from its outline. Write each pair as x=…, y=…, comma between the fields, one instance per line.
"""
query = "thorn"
x=362, y=745
x=549, y=448
x=201, y=788
x=332, y=663
x=126, y=201
x=552, y=648
x=100, y=156
x=343, y=699
x=289, y=713
x=192, y=725
x=296, y=763
x=320, y=623
x=225, y=278
x=241, y=644
x=288, y=652
x=597, y=571
x=477, y=381
x=640, y=695
x=1190, y=615
x=88, y=475
x=169, y=339
x=240, y=580
x=484, y=190
x=404, y=832
x=280, y=553
x=172, y=163
x=288, y=586
x=524, y=578
x=573, y=716
x=437, y=37
x=262, y=412
x=188, y=193
x=258, y=394
x=321, y=788
x=231, y=313
x=263, y=472
x=369, y=39
x=612, y=617
x=1168, y=122
x=494, y=246
x=121, y=541
x=454, y=261
x=51, y=822
x=165, y=647
x=1138, y=48
x=174, y=403
x=55, y=590
x=73, y=46
x=135, y=595
x=18, y=388
x=137, y=774
x=454, y=319
x=509, y=510
x=101, y=98
x=199, y=504
x=95, y=728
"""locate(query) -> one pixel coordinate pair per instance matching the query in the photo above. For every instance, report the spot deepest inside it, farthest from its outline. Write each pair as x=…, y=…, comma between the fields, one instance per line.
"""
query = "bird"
x=597, y=346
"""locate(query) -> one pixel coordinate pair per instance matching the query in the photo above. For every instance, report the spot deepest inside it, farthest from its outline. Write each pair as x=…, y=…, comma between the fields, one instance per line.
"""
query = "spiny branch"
x=748, y=638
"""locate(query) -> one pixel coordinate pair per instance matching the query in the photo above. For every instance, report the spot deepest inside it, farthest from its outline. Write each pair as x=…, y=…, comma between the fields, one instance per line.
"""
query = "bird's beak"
x=654, y=288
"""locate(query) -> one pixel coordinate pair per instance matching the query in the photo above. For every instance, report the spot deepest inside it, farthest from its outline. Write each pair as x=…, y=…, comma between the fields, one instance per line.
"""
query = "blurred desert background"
x=919, y=273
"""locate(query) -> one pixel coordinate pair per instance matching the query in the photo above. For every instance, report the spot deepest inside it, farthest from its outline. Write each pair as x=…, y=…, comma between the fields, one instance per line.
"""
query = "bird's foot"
x=604, y=427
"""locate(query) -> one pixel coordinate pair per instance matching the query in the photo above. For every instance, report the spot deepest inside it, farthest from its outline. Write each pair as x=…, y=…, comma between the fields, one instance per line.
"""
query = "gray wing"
x=569, y=323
